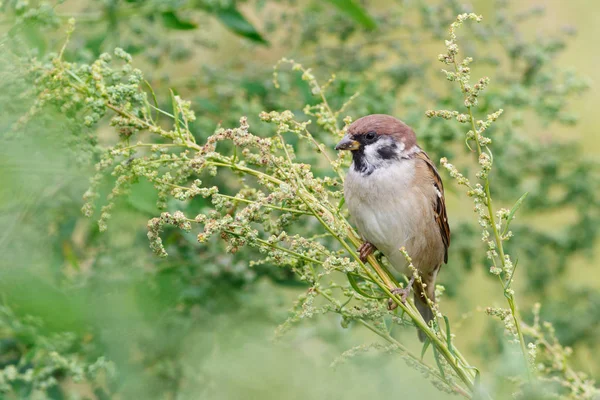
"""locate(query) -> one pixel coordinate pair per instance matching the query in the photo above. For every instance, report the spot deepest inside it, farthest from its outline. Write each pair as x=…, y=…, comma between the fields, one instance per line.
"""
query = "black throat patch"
x=359, y=162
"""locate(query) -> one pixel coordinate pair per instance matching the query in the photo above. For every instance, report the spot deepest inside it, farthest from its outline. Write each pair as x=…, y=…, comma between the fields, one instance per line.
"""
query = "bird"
x=395, y=197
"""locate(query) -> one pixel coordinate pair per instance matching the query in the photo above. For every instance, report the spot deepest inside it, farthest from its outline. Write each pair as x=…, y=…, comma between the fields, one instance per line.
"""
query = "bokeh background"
x=200, y=324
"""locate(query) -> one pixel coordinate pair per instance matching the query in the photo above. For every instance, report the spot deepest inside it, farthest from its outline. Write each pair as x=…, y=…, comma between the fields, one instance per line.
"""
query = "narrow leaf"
x=510, y=279
x=357, y=288
x=175, y=111
x=154, y=99
x=512, y=212
x=356, y=12
x=477, y=376
x=425, y=346
x=341, y=203
x=237, y=23
x=436, y=356
x=448, y=336
x=468, y=145
x=172, y=21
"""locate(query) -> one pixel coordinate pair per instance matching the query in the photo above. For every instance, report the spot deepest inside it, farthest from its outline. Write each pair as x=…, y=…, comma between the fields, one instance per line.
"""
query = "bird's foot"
x=365, y=250
x=403, y=292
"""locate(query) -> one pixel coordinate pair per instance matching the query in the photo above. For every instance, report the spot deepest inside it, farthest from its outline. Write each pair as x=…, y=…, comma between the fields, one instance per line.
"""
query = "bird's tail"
x=422, y=305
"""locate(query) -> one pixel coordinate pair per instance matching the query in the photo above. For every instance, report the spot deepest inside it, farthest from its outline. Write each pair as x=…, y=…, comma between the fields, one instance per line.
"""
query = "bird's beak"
x=347, y=143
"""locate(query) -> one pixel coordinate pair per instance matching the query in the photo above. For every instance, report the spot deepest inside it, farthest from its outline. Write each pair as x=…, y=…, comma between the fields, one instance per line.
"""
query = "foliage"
x=33, y=361
x=275, y=189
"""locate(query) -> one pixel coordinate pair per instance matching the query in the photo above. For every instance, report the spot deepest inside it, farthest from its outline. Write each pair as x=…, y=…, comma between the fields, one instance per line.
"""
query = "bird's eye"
x=370, y=135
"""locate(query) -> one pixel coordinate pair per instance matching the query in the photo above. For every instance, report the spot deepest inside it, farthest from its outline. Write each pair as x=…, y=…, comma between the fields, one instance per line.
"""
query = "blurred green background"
x=200, y=323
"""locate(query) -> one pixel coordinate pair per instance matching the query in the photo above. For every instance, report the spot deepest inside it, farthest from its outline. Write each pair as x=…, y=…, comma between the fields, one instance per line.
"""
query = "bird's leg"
x=365, y=250
x=403, y=292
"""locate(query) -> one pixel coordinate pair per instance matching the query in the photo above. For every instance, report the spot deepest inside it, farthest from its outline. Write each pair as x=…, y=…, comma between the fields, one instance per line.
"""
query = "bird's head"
x=378, y=140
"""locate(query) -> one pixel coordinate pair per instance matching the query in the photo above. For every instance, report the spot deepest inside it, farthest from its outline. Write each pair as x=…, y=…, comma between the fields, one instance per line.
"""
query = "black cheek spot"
x=388, y=152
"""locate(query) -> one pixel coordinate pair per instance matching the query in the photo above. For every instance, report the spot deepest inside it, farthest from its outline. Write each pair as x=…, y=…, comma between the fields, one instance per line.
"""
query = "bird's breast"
x=390, y=211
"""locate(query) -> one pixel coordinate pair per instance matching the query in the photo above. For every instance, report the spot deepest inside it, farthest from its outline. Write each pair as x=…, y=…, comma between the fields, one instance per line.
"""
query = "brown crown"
x=383, y=124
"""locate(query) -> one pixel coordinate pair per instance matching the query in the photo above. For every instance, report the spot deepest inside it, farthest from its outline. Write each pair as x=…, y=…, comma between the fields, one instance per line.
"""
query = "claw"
x=403, y=292
x=365, y=250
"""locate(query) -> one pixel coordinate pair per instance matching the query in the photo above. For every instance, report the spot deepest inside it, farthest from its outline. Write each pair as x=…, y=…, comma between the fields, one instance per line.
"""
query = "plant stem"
x=400, y=347
x=499, y=246
x=248, y=171
x=292, y=210
x=291, y=252
x=381, y=270
x=497, y=237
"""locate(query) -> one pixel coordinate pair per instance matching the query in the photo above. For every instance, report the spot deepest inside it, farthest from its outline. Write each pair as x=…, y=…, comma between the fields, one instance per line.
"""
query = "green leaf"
x=32, y=34
x=425, y=346
x=358, y=290
x=477, y=384
x=356, y=12
x=512, y=212
x=449, y=336
x=154, y=99
x=510, y=279
x=175, y=111
x=341, y=203
x=143, y=198
x=237, y=23
x=171, y=20
x=437, y=356
x=477, y=377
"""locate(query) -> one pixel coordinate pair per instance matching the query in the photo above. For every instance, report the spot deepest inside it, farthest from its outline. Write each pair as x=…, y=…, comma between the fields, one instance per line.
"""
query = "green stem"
x=386, y=336
x=322, y=150
x=151, y=145
x=291, y=252
x=292, y=210
x=566, y=369
x=499, y=245
x=248, y=171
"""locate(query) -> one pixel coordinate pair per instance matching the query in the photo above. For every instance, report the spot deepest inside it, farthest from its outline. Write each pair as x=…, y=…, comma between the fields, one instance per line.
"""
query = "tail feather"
x=423, y=306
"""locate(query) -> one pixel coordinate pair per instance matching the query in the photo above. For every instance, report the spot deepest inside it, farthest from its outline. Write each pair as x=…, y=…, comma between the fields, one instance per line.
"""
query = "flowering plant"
x=272, y=194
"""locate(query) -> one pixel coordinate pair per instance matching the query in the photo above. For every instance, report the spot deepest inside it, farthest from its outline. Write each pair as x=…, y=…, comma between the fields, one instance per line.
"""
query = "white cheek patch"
x=371, y=153
x=383, y=151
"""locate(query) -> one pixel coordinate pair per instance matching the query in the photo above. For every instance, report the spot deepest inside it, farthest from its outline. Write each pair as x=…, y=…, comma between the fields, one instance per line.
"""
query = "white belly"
x=391, y=212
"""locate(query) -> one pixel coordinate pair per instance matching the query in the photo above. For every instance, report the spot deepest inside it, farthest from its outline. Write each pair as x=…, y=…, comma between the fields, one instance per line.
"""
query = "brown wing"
x=441, y=218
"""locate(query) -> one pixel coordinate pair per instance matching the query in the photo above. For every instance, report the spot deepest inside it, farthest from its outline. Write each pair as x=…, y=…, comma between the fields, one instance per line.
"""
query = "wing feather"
x=439, y=206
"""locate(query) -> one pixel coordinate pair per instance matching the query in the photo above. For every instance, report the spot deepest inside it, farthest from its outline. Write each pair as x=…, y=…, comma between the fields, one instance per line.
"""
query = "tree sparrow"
x=396, y=198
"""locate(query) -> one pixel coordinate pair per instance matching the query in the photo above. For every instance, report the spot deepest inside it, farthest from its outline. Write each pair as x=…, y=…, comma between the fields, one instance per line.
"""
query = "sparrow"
x=395, y=197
